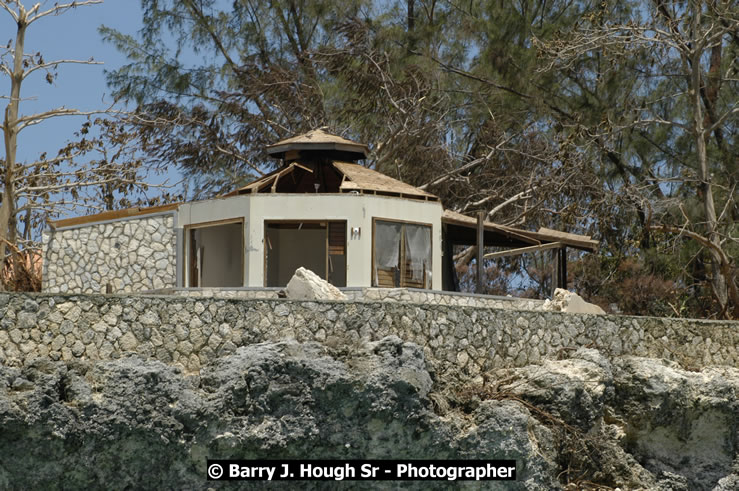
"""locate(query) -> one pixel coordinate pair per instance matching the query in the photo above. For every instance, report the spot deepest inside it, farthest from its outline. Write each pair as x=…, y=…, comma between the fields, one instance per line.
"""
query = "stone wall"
x=364, y=294
x=129, y=255
x=194, y=331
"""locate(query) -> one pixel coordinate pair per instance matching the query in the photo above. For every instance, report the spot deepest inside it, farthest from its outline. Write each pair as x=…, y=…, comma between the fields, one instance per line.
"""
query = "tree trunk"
x=411, y=25
x=8, y=229
x=718, y=280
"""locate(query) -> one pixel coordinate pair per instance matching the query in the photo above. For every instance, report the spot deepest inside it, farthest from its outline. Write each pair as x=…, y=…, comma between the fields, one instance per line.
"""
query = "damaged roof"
x=113, y=215
x=362, y=179
x=309, y=170
x=317, y=140
x=354, y=178
x=505, y=236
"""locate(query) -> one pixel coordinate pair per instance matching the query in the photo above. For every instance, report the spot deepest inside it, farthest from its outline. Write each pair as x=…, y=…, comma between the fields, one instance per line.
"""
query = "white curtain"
x=387, y=246
x=418, y=250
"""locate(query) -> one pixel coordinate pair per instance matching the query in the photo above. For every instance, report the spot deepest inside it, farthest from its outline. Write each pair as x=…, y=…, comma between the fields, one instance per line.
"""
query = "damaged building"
x=320, y=209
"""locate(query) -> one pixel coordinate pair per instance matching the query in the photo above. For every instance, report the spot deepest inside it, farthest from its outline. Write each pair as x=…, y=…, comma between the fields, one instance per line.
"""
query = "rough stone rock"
x=306, y=285
x=136, y=424
x=730, y=482
x=573, y=390
x=571, y=302
x=131, y=423
x=646, y=423
x=680, y=422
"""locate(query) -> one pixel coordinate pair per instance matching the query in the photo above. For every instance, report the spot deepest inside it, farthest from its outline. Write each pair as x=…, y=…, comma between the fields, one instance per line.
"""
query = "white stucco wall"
x=357, y=210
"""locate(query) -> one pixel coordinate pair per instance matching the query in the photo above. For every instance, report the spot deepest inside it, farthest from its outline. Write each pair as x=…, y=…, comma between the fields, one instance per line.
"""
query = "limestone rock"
x=657, y=426
x=573, y=390
x=730, y=482
x=629, y=423
x=136, y=424
x=680, y=422
x=306, y=285
x=571, y=302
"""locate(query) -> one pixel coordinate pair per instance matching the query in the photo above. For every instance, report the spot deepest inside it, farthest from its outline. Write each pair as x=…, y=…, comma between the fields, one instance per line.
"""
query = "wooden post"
x=563, y=268
x=480, y=249
x=555, y=270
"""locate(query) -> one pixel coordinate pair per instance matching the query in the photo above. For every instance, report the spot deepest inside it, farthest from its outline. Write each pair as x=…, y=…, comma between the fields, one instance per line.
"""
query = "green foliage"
x=577, y=106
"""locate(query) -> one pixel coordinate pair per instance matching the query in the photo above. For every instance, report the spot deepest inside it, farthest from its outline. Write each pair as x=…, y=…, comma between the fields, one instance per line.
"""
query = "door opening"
x=318, y=246
x=215, y=255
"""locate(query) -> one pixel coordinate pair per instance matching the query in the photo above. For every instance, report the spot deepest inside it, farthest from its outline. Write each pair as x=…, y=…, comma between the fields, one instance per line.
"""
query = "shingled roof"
x=354, y=178
x=318, y=140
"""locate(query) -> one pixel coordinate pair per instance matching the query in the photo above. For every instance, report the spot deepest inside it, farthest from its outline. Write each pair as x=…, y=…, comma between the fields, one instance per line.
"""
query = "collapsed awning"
x=462, y=230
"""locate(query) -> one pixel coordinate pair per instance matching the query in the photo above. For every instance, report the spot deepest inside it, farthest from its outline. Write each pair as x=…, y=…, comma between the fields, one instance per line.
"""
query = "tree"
x=381, y=73
x=428, y=84
x=521, y=109
x=21, y=65
x=257, y=83
x=33, y=192
x=116, y=175
x=678, y=115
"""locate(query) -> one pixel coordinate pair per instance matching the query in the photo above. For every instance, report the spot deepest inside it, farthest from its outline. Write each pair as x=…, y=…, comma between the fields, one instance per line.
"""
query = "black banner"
x=361, y=470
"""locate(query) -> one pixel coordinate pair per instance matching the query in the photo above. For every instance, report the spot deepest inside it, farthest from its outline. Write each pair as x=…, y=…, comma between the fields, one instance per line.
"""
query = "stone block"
x=128, y=342
x=306, y=285
x=571, y=302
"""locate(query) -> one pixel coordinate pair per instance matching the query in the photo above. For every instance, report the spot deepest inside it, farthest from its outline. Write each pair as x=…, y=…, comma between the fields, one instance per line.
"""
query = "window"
x=317, y=246
x=215, y=254
x=401, y=254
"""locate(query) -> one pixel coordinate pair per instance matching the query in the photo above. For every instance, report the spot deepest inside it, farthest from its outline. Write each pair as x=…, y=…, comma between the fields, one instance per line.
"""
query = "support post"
x=562, y=270
x=179, y=257
x=555, y=271
x=480, y=249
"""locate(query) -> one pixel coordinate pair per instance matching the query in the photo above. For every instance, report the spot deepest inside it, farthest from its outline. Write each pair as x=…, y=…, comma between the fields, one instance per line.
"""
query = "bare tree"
x=34, y=191
x=683, y=95
x=23, y=180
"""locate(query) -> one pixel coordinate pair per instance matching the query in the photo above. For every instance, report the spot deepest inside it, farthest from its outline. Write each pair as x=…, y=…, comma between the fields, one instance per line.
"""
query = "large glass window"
x=401, y=255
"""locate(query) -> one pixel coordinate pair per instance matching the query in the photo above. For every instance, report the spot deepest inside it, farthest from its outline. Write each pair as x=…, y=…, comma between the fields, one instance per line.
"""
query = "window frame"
x=401, y=255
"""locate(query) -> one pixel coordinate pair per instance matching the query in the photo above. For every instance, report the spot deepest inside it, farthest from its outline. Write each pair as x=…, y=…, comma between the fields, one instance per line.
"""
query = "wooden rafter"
x=523, y=250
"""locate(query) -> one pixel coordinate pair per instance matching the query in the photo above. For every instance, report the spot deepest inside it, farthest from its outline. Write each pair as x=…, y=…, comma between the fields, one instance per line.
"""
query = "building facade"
x=320, y=210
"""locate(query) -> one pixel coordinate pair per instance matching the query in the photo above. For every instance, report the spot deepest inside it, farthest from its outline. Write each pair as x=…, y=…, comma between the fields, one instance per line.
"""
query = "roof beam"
x=522, y=250
x=112, y=215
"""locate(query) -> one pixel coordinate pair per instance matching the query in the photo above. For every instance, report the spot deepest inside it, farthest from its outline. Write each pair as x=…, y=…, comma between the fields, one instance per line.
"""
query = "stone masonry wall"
x=193, y=331
x=364, y=294
x=131, y=255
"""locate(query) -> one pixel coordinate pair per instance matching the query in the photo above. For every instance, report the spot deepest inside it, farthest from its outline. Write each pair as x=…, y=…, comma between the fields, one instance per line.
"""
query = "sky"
x=72, y=35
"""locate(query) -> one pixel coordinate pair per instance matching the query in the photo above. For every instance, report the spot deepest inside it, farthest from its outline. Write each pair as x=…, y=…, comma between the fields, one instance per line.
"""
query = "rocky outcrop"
x=643, y=423
x=630, y=422
x=140, y=424
x=679, y=422
x=307, y=285
x=571, y=302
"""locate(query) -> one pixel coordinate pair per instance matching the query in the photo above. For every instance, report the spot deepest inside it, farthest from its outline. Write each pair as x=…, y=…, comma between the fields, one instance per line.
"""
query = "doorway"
x=215, y=254
x=319, y=246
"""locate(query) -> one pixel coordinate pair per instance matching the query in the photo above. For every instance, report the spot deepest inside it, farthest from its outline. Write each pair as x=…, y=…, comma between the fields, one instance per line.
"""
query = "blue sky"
x=72, y=35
